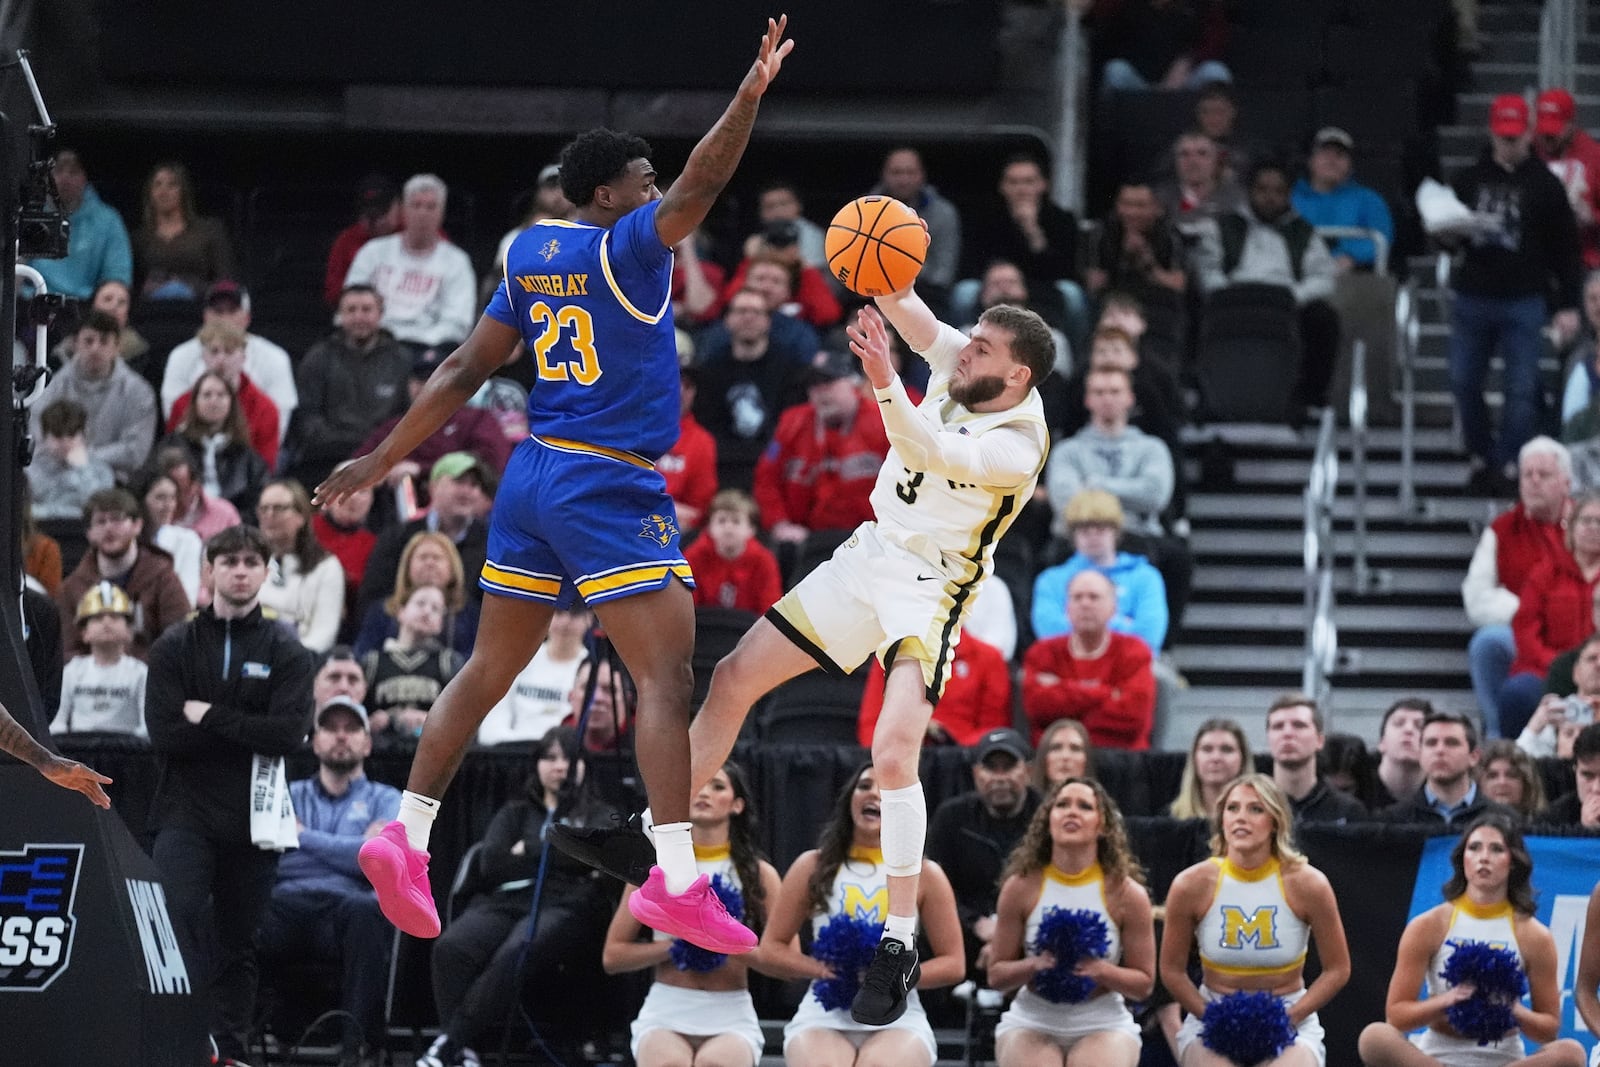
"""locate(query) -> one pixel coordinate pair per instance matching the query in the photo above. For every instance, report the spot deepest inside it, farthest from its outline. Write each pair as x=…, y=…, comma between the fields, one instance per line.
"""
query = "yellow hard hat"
x=104, y=598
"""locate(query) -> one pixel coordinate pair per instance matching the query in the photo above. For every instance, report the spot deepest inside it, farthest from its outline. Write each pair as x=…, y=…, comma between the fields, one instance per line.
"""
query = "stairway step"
x=1446, y=474
x=1450, y=663
x=1255, y=543
x=1351, y=619
x=1411, y=582
x=1216, y=508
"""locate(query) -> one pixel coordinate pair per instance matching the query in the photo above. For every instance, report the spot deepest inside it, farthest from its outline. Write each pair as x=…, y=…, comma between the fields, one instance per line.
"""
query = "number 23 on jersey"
x=584, y=366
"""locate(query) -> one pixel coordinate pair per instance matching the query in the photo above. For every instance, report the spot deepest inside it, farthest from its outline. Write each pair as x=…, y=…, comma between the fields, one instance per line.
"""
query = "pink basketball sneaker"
x=696, y=915
x=400, y=875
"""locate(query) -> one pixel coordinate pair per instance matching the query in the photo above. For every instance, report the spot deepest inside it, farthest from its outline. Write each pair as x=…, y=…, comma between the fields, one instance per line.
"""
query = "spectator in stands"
x=779, y=200
x=1510, y=777
x=322, y=907
x=226, y=690
x=348, y=382
x=197, y=510
x=697, y=282
x=819, y=469
x=458, y=485
x=1094, y=520
x=219, y=439
x=1268, y=243
x=178, y=252
x=1558, y=719
x=113, y=298
x=159, y=494
x=1449, y=792
x=611, y=711
x=689, y=467
x=1343, y=763
x=339, y=674
x=1558, y=679
x=1159, y=44
x=1063, y=751
x=1580, y=398
x=1137, y=469
x=792, y=287
x=904, y=178
x=377, y=215
x=1519, y=538
x=102, y=690
x=63, y=473
x=1024, y=226
x=97, y=248
x=1093, y=674
x=41, y=553
x=113, y=522
x=741, y=397
x=1158, y=403
x=427, y=283
x=468, y=430
x=537, y=699
x=1581, y=807
x=1138, y=250
x=731, y=568
x=992, y=618
x=972, y=835
x=1573, y=157
x=1201, y=187
x=407, y=674
x=477, y=960
x=1004, y=283
x=1219, y=753
x=1294, y=737
x=305, y=582
x=1554, y=613
x=1528, y=239
x=120, y=406
x=1329, y=196
x=544, y=201
x=340, y=527
x=976, y=698
x=1399, y=772
x=428, y=557
x=223, y=353
x=265, y=364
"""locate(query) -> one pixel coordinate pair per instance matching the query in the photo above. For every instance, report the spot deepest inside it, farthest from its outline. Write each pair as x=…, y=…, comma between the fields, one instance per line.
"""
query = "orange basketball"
x=876, y=246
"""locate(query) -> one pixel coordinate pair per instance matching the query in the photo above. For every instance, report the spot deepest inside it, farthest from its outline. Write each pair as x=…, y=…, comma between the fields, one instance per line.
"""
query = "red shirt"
x=1554, y=613
x=690, y=470
x=1113, y=695
x=818, y=305
x=749, y=582
x=1579, y=170
x=1521, y=544
x=469, y=429
x=260, y=416
x=343, y=253
x=977, y=697
x=819, y=477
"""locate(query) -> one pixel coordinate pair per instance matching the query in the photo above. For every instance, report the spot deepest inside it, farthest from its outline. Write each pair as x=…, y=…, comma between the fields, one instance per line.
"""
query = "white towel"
x=272, y=821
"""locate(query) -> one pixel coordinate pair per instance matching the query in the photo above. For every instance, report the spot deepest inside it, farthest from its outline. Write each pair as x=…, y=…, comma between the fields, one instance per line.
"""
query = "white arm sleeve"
x=1003, y=457
x=1487, y=601
x=941, y=354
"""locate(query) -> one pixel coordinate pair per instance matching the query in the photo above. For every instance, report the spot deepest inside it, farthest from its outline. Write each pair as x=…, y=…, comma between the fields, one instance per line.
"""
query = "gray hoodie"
x=1132, y=466
x=122, y=414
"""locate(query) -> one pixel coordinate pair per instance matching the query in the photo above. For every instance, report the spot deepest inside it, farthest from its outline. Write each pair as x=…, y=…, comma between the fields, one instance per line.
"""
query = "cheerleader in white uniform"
x=1074, y=856
x=1488, y=898
x=846, y=875
x=1252, y=910
x=1587, y=991
x=702, y=1018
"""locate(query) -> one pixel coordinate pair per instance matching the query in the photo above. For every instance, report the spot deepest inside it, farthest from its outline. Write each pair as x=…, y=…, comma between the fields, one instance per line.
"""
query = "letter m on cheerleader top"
x=1250, y=928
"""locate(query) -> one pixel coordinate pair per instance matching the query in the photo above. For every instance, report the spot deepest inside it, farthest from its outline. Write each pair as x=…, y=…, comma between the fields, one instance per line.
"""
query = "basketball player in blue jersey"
x=582, y=512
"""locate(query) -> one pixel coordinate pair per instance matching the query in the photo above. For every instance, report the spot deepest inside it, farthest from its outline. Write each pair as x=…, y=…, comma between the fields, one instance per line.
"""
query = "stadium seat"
x=1277, y=119
x=1376, y=116
x=716, y=632
x=1271, y=58
x=1249, y=355
x=69, y=534
x=1143, y=127
x=816, y=708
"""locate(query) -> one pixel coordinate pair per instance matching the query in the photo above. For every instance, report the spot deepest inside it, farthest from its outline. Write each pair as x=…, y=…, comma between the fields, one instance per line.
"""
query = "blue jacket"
x=1141, y=598
x=98, y=251
x=1351, y=204
x=335, y=828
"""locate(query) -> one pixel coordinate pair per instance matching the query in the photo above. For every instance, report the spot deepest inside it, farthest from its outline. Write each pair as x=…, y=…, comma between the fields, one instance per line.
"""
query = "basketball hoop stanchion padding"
x=89, y=967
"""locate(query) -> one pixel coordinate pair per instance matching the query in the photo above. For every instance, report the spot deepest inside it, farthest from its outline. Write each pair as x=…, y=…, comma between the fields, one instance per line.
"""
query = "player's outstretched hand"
x=773, y=49
x=354, y=476
x=70, y=774
x=869, y=340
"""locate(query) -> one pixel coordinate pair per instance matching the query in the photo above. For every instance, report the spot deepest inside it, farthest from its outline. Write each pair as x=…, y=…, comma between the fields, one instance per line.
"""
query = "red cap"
x=1508, y=116
x=1556, y=108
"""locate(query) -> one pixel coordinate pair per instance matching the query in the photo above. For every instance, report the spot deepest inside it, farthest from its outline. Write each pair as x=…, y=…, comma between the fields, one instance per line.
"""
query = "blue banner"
x=1563, y=876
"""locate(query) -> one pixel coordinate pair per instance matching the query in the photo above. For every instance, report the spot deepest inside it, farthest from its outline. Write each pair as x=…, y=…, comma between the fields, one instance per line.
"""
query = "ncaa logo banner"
x=1563, y=877
x=38, y=886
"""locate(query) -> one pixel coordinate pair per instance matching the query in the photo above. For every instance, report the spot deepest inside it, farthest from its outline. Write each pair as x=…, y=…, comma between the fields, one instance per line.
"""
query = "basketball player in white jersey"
x=961, y=466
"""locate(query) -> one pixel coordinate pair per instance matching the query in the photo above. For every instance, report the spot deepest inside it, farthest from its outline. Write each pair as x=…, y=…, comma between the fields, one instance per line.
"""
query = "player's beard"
x=977, y=390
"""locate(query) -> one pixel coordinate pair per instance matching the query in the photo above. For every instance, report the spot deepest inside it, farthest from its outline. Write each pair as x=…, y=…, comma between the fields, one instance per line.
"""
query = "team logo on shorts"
x=659, y=528
x=38, y=885
x=551, y=247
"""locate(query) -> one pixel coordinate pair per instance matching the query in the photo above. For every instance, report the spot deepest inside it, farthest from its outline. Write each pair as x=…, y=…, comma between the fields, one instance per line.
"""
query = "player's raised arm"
x=715, y=158
x=912, y=319
x=69, y=774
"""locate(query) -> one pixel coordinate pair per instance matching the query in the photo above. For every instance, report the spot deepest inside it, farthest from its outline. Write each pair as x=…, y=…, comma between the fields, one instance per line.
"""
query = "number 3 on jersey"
x=907, y=490
x=585, y=369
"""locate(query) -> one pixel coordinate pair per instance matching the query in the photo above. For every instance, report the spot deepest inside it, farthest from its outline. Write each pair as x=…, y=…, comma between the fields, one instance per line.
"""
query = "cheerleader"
x=845, y=877
x=1073, y=856
x=1488, y=899
x=1252, y=910
x=694, y=1017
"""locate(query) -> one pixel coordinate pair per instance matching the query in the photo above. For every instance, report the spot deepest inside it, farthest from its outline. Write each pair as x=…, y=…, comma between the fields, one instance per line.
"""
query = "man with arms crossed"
x=582, y=509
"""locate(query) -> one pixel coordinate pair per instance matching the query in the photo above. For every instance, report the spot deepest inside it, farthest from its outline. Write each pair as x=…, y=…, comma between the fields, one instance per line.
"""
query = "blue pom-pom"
x=687, y=957
x=1497, y=980
x=846, y=945
x=1071, y=936
x=1247, y=1028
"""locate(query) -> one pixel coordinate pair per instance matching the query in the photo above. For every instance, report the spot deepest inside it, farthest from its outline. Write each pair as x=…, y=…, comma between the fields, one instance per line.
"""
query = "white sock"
x=416, y=815
x=903, y=928
x=905, y=828
x=675, y=856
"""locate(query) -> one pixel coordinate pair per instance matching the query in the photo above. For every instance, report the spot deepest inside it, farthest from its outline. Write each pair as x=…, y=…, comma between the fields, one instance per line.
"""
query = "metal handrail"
x=1559, y=27
x=1407, y=338
x=1072, y=72
x=1358, y=461
x=41, y=345
x=1321, y=637
x=1380, y=251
